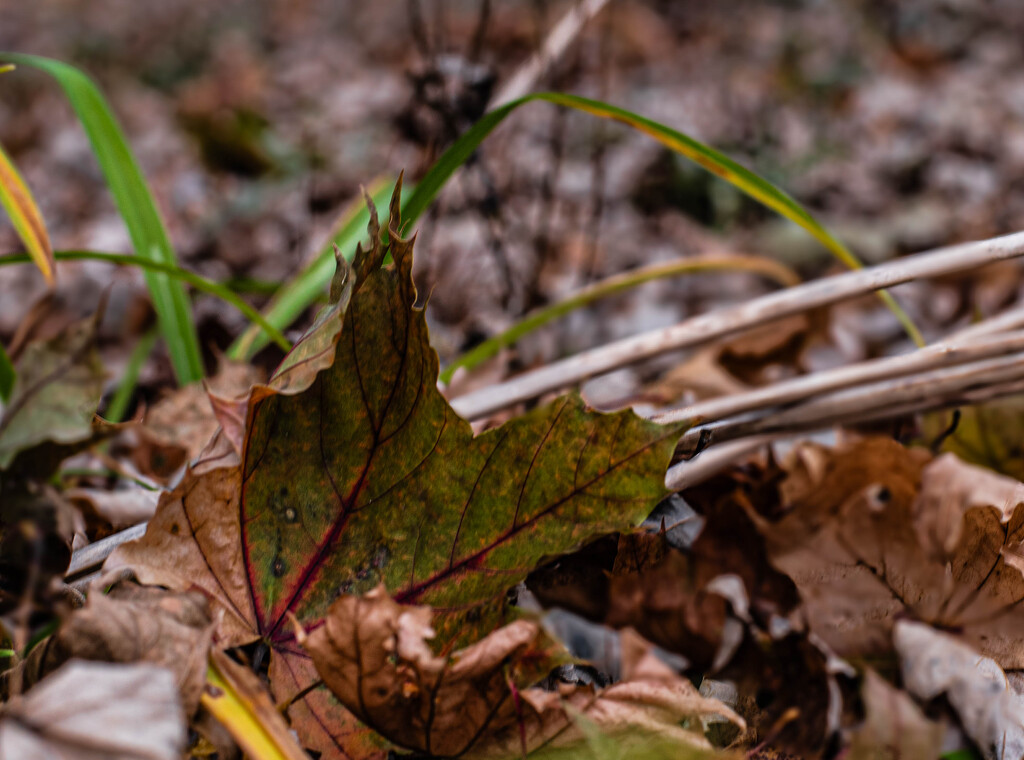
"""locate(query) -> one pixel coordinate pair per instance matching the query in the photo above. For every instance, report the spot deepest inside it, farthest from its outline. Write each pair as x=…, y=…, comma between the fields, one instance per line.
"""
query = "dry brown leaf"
x=205, y=508
x=894, y=727
x=701, y=376
x=134, y=624
x=685, y=602
x=935, y=663
x=96, y=711
x=852, y=543
x=118, y=509
x=373, y=654
x=178, y=427
x=949, y=488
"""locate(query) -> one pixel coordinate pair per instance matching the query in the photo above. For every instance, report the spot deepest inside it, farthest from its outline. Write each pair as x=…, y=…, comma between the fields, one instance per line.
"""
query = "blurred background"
x=900, y=124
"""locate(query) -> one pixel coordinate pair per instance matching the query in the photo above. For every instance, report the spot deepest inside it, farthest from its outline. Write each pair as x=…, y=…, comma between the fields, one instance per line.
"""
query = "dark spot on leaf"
x=175, y=529
x=278, y=567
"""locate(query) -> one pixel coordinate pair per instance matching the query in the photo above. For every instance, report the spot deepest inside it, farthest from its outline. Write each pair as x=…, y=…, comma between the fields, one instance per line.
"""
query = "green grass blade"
x=28, y=222
x=705, y=156
x=172, y=272
x=310, y=284
x=610, y=286
x=118, y=405
x=7, y=375
x=135, y=202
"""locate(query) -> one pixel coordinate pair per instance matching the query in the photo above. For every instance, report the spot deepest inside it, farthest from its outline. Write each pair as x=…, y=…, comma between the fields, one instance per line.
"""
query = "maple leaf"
x=354, y=470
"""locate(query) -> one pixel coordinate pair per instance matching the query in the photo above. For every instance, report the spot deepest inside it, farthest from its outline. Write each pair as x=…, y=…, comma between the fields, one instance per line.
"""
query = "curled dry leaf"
x=134, y=624
x=869, y=536
x=96, y=711
x=178, y=427
x=990, y=710
x=894, y=726
x=354, y=470
x=374, y=655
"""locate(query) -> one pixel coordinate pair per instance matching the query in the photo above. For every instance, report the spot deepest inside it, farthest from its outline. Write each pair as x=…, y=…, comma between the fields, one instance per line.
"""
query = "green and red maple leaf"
x=353, y=470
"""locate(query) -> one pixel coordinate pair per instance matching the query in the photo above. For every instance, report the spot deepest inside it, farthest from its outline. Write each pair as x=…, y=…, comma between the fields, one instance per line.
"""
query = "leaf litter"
x=344, y=546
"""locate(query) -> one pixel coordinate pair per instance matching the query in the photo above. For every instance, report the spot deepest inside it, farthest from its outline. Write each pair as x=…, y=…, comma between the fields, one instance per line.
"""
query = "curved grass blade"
x=28, y=222
x=135, y=202
x=7, y=375
x=309, y=285
x=610, y=286
x=173, y=272
x=705, y=156
x=240, y=704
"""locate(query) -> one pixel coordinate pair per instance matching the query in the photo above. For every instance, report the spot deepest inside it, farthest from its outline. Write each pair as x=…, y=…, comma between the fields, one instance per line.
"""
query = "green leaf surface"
x=7, y=375
x=135, y=202
x=354, y=470
x=54, y=399
x=707, y=157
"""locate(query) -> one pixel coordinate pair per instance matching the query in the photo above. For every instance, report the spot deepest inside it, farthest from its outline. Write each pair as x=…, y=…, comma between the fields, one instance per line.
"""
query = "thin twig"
x=718, y=324
x=864, y=401
x=554, y=47
x=947, y=354
x=693, y=471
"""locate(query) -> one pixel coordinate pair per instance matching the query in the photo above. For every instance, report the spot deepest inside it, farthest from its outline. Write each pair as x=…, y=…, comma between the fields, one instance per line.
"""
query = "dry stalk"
x=955, y=351
x=709, y=327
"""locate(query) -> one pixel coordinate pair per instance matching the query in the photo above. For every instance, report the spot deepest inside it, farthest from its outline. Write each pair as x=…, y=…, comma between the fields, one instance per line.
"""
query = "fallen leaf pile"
x=345, y=548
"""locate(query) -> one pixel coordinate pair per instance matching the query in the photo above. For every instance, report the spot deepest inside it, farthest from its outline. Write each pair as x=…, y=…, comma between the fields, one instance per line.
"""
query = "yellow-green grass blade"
x=28, y=222
x=7, y=375
x=137, y=208
x=705, y=156
x=617, y=284
x=172, y=272
x=309, y=285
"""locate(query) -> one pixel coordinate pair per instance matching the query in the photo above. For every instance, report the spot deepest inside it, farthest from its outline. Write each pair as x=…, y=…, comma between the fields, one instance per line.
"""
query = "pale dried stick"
x=929, y=403
x=860, y=401
x=1006, y=320
x=693, y=471
x=950, y=353
x=553, y=48
x=721, y=323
